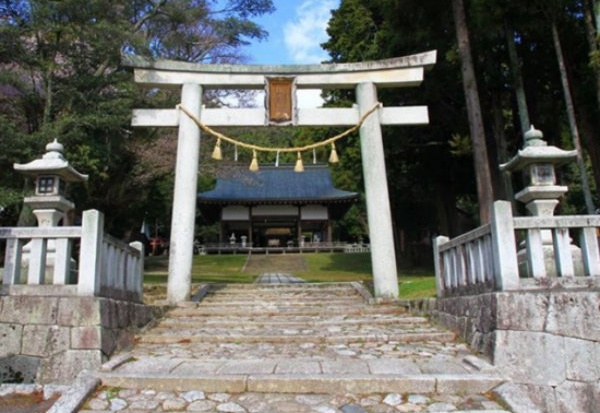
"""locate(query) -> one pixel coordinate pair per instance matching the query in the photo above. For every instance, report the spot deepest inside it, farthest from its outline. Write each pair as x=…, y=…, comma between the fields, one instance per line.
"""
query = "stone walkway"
x=151, y=400
x=27, y=398
x=299, y=347
x=277, y=278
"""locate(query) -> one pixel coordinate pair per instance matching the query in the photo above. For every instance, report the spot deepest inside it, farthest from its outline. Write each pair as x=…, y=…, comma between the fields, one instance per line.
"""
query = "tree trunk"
x=506, y=190
x=592, y=33
x=515, y=66
x=572, y=120
x=482, y=166
x=592, y=146
x=48, y=101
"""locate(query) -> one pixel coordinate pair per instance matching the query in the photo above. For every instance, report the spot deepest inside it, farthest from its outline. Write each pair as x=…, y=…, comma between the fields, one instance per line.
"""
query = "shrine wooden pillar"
x=250, y=226
x=329, y=231
x=299, y=237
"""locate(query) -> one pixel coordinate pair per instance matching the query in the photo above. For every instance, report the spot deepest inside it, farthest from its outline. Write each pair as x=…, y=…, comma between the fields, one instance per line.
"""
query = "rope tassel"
x=333, y=156
x=217, y=154
x=299, y=166
x=254, y=163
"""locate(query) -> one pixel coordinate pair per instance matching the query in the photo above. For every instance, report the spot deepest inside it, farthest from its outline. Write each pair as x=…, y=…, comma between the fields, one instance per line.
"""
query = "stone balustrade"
x=525, y=291
x=104, y=267
x=512, y=253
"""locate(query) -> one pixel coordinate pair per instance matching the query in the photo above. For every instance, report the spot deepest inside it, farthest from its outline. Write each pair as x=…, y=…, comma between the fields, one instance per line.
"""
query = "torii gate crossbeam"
x=365, y=77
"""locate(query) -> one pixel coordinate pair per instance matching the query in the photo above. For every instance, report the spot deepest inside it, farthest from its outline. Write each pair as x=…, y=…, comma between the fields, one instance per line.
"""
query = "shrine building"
x=276, y=207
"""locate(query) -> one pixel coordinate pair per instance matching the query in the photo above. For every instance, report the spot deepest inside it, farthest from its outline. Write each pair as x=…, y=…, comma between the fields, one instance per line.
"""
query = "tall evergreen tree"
x=480, y=153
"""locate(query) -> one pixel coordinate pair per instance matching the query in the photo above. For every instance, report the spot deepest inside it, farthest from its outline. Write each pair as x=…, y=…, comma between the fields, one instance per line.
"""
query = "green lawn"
x=322, y=267
x=205, y=268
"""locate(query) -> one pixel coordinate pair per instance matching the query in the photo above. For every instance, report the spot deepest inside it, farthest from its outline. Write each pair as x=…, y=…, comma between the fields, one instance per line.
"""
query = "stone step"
x=266, y=327
x=441, y=375
x=283, y=296
x=391, y=320
x=308, y=320
x=297, y=302
x=332, y=334
x=417, y=375
x=324, y=288
x=331, y=286
x=301, y=289
x=417, y=351
x=215, y=337
x=300, y=383
x=274, y=310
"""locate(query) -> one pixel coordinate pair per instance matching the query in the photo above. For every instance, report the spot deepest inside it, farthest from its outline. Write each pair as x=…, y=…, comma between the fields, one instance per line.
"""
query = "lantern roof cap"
x=536, y=150
x=52, y=162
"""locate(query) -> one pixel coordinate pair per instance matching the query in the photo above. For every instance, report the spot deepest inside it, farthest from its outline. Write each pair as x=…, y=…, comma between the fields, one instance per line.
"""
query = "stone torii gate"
x=280, y=84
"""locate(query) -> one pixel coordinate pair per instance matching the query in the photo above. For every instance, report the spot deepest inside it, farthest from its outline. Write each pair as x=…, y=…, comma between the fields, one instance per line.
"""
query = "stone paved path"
x=273, y=263
x=27, y=399
x=277, y=278
x=276, y=348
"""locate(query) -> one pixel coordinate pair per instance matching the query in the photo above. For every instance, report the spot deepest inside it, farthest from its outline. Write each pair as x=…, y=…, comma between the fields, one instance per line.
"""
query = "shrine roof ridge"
x=425, y=59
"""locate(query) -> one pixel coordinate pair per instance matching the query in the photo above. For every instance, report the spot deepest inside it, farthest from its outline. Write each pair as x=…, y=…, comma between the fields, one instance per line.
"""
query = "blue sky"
x=296, y=30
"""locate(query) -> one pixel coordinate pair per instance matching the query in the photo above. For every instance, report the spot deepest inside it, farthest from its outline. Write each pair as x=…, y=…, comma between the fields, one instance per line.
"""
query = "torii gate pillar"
x=383, y=255
x=184, y=198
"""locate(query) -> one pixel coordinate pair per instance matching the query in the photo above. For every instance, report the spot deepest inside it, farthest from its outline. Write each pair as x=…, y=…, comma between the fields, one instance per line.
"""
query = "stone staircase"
x=314, y=340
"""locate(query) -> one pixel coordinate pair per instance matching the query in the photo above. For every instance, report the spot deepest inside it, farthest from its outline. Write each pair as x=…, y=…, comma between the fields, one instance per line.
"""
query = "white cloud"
x=303, y=35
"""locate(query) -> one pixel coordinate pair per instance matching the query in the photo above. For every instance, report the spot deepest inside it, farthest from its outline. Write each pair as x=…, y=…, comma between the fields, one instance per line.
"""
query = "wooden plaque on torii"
x=280, y=99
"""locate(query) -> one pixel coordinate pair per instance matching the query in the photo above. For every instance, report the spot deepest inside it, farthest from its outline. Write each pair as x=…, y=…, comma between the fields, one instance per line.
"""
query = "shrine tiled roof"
x=279, y=184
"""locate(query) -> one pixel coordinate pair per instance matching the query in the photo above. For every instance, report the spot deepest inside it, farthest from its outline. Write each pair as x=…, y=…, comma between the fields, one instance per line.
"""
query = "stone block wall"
x=50, y=339
x=547, y=341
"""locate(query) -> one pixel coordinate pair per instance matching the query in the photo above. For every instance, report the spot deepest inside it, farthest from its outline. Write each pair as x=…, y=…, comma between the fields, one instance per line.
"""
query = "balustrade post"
x=135, y=279
x=504, y=246
x=438, y=265
x=90, y=255
x=12, y=261
x=590, y=252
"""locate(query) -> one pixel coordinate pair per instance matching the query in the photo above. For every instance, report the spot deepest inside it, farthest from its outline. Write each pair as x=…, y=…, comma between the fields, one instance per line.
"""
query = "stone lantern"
x=538, y=161
x=51, y=172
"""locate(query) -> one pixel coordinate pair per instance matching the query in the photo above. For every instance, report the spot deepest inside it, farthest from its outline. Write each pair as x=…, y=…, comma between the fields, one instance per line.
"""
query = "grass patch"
x=321, y=267
x=205, y=268
x=413, y=287
x=413, y=282
x=331, y=267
